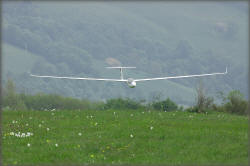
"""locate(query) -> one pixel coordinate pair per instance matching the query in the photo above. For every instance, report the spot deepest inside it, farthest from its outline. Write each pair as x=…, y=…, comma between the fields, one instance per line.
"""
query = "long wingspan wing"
x=80, y=78
x=165, y=78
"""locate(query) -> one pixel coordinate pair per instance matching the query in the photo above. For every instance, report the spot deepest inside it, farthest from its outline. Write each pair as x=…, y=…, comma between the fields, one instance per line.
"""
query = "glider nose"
x=131, y=83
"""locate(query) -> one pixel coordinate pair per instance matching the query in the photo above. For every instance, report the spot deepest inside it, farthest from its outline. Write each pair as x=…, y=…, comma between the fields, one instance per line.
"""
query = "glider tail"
x=121, y=72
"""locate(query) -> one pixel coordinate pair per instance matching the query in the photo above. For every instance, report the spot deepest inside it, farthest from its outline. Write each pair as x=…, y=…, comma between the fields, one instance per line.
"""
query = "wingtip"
x=226, y=71
x=29, y=73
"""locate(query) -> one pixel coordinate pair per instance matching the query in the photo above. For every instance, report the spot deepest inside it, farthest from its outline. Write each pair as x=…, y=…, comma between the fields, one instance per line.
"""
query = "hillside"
x=81, y=38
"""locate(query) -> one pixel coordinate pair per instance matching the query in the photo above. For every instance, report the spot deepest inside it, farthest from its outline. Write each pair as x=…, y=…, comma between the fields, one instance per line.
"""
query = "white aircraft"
x=130, y=81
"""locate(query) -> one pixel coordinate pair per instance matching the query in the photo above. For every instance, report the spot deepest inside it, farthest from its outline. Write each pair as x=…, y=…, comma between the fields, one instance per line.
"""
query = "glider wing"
x=80, y=78
x=186, y=76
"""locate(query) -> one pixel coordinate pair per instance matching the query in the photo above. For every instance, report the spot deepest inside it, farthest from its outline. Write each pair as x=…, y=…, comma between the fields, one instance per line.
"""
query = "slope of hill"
x=81, y=38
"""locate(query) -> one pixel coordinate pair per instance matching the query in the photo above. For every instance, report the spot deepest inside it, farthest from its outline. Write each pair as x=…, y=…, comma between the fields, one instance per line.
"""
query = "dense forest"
x=160, y=39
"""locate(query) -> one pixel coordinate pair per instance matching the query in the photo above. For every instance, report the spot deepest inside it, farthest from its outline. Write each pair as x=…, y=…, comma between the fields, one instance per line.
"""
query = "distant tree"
x=165, y=105
x=9, y=94
x=235, y=103
x=11, y=98
x=203, y=102
x=157, y=96
x=120, y=103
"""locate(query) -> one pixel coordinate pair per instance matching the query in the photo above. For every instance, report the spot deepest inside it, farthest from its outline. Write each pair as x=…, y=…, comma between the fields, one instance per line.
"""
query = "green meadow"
x=123, y=137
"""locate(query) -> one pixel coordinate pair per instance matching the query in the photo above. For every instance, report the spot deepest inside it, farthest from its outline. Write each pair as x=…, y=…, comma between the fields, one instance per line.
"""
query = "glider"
x=130, y=81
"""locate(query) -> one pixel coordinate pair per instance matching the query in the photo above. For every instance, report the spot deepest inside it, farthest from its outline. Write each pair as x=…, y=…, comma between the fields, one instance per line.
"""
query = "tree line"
x=233, y=102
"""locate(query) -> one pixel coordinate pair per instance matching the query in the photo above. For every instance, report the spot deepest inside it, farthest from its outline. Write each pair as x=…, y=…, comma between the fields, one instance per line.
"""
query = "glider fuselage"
x=131, y=83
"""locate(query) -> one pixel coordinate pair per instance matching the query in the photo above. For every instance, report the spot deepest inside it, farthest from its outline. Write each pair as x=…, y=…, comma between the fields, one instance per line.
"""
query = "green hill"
x=81, y=38
x=12, y=54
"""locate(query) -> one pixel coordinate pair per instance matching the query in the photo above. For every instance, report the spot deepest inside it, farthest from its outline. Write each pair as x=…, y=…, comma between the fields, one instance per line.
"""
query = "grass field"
x=123, y=137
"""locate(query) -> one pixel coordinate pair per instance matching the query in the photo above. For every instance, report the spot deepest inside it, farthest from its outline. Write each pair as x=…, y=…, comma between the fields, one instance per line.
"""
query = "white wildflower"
x=12, y=133
x=131, y=136
x=28, y=144
x=39, y=125
x=47, y=129
x=79, y=134
x=56, y=145
x=151, y=128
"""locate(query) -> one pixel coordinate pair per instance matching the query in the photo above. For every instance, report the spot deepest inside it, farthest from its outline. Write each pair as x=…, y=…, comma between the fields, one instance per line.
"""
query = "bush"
x=53, y=101
x=235, y=103
x=190, y=109
x=166, y=105
x=122, y=104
